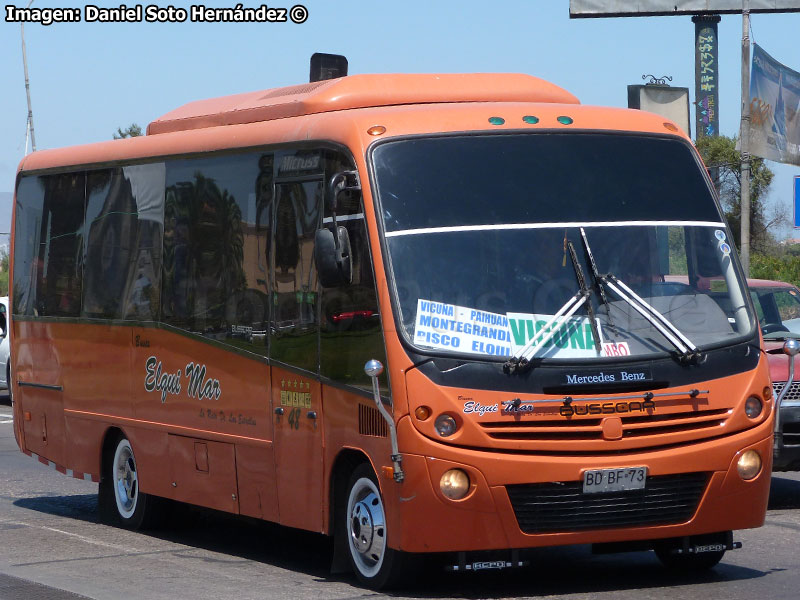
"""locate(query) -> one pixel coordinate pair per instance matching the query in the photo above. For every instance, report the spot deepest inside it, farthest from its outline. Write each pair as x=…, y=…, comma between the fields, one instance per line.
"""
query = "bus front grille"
x=690, y=425
x=563, y=507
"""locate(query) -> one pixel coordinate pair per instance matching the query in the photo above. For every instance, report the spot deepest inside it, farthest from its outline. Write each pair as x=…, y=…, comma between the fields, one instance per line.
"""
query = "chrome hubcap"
x=126, y=486
x=367, y=527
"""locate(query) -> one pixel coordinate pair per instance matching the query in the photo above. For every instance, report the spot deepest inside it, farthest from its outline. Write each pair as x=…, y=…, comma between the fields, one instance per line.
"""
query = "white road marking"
x=83, y=538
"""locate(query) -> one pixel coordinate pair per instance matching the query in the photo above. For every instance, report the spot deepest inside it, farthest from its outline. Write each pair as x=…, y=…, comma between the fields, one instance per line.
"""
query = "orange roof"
x=359, y=91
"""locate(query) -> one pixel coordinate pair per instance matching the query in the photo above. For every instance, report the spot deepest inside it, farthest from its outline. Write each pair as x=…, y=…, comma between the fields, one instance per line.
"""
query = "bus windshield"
x=564, y=246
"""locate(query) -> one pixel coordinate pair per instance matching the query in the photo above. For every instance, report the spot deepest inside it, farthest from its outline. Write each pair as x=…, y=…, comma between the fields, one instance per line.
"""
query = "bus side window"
x=215, y=280
x=122, y=245
x=109, y=233
x=27, y=264
x=59, y=279
x=350, y=321
x=294, y=324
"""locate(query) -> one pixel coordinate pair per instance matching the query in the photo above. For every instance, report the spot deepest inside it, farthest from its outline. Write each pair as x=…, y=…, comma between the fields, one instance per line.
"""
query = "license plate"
x=598, y=481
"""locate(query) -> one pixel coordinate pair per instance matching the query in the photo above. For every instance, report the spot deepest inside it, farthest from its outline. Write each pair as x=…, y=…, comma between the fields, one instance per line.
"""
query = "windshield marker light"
x=670, y=127
x=497, y=120
x=376, y=130
x=530, y=120
x=564, y=120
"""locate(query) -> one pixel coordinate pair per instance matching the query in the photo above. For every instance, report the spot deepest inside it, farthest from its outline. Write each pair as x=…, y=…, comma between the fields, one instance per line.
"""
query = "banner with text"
x=774, y=109
x=461, y=329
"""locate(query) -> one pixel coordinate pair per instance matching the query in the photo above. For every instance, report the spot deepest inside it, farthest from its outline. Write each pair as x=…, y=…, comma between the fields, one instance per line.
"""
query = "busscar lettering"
x=568, y=409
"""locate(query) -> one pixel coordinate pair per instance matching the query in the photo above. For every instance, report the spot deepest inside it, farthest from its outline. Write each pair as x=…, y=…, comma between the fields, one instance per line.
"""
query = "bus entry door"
x=297, y=418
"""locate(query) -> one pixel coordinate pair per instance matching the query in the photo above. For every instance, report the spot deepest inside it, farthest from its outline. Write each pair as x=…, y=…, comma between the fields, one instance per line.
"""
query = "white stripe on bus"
x=463, y=228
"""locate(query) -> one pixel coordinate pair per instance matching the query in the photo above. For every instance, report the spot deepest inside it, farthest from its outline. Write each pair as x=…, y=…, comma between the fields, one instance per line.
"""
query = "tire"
x=688, y=562
x=121, y=501
x=365, y=533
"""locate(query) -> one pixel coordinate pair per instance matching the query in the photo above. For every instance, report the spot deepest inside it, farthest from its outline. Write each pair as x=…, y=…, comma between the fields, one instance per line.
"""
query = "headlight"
x=445, y=425
x=753, y=407
x=454, y=484
x=749, y=465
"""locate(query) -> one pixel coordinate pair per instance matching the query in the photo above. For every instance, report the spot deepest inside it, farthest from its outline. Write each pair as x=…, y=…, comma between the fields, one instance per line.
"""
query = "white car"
x=5, y=363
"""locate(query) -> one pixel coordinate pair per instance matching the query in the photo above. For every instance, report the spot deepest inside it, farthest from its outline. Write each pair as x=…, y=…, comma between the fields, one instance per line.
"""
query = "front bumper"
x=486, y=519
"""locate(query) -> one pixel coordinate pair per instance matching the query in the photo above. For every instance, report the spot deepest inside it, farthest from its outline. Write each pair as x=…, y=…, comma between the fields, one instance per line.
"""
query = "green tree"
x=132, y=130
x=724, y=163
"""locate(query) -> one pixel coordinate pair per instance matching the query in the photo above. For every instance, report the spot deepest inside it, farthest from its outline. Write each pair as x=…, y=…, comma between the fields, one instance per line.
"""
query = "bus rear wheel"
x=375, y=564
x=121, y=501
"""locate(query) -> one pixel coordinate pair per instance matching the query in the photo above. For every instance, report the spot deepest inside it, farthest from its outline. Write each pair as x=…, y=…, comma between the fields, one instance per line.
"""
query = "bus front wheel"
x=121, y=501
x=375, y=564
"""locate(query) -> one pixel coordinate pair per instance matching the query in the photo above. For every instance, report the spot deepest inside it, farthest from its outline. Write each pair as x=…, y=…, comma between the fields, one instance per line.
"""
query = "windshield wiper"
x=520, y=361
x=686, y=349
x=596, y=277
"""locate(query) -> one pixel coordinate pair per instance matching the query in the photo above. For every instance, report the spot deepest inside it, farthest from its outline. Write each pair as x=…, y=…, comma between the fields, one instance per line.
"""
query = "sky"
x=88, y=79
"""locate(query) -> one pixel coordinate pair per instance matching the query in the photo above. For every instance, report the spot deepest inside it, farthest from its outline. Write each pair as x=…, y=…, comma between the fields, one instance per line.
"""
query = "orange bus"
x=419, y=313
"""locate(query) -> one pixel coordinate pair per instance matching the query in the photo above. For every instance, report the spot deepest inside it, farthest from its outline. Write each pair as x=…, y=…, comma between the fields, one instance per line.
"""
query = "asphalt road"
x=52, y=547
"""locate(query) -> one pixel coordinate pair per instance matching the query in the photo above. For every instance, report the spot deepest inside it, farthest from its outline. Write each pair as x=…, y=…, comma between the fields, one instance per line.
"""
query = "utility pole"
x=27, y=90
x=744, y=140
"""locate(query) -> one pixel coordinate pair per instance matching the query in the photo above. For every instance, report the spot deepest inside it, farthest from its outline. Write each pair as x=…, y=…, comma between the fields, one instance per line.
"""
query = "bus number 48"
x=294, y=418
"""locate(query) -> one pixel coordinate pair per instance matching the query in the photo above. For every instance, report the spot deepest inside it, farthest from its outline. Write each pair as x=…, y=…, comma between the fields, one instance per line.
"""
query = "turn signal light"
x=422, y=413
x=767, y=393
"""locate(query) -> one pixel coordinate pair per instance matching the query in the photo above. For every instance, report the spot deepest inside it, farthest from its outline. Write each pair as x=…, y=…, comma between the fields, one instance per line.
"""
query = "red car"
x=778, y=308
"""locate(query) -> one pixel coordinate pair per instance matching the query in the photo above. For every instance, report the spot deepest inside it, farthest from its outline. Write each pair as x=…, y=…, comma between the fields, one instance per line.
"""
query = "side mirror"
x=332, y=254
x=333, y=258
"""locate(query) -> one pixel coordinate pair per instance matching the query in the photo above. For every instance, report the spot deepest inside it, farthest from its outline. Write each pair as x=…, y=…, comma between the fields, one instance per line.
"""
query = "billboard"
x=774, y=109
x=579, y=9
x=667, y=101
